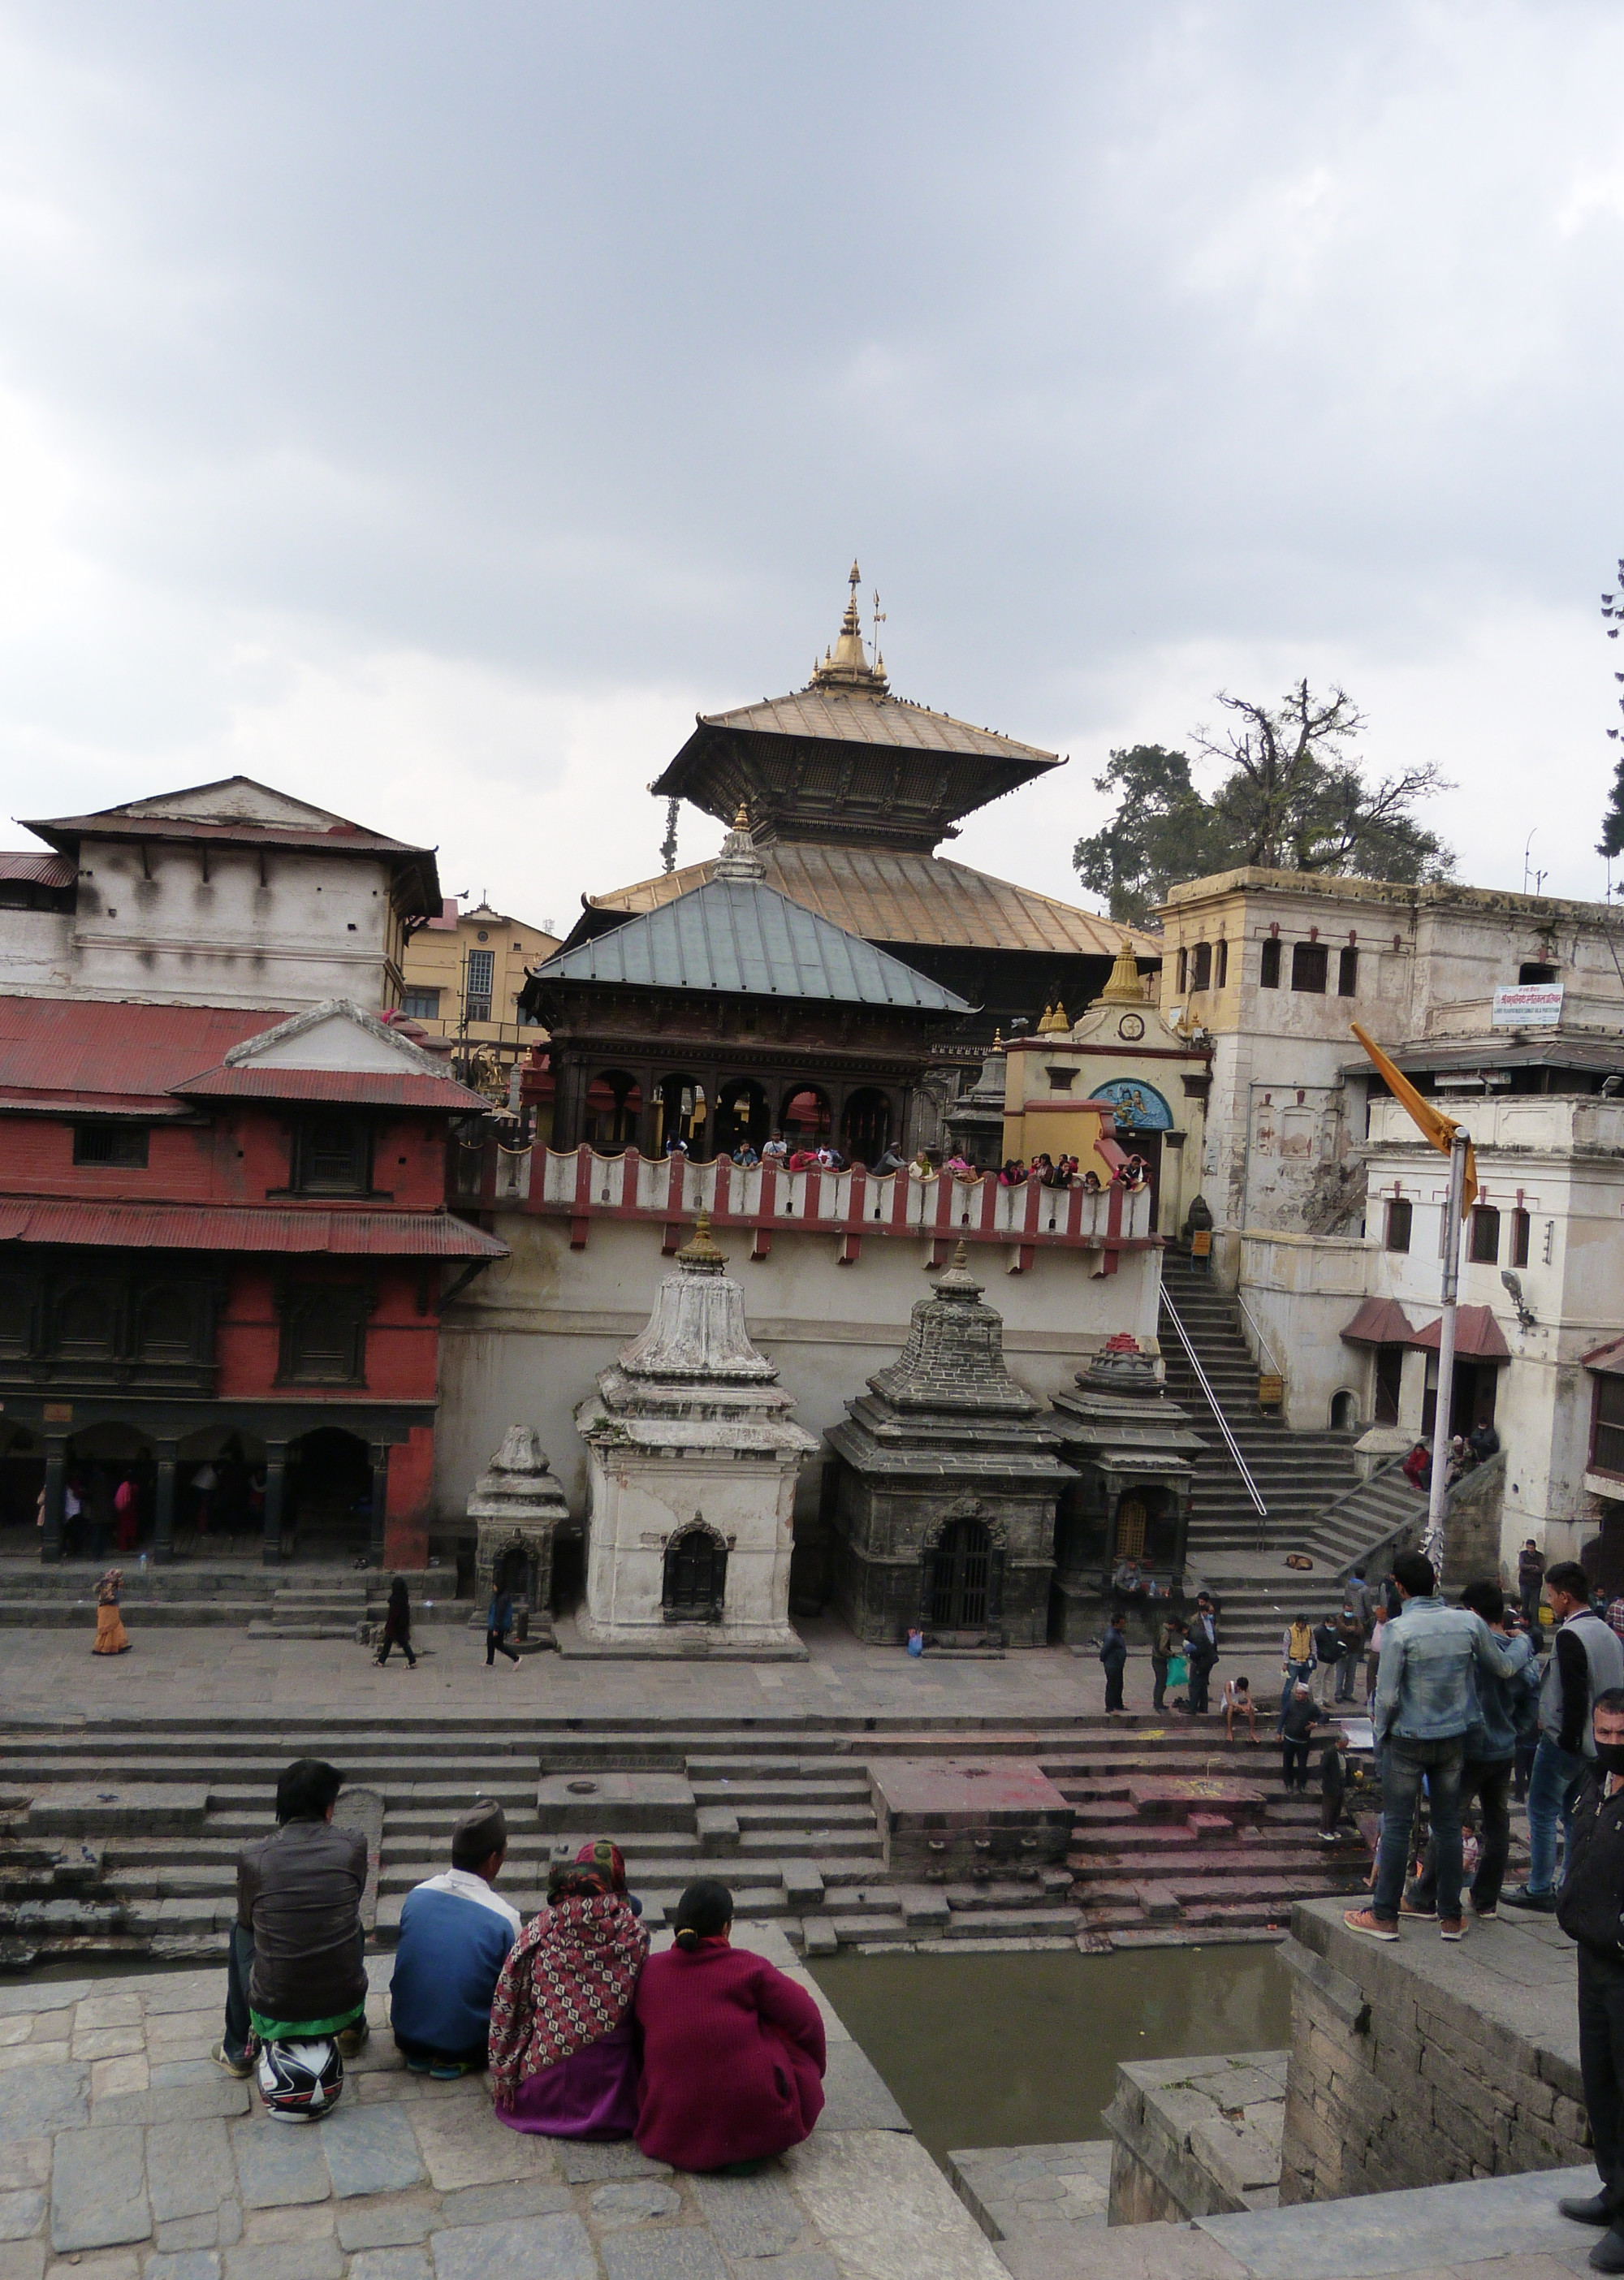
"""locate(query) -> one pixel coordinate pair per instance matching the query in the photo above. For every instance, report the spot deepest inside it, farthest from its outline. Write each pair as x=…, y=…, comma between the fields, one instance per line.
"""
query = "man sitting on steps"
x=455, y=1934
x=294, y=1971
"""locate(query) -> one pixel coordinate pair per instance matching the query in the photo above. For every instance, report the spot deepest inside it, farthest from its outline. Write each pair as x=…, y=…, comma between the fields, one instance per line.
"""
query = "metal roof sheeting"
x=743, y=935
x=39, y=870
x=837, y=716
x=901, y=896
x=99, y=1050
x=188, y=1227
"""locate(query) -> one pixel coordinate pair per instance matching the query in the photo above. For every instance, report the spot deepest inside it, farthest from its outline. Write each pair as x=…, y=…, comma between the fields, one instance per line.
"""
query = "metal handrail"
x=1233, y=1446
x=1266, y=1351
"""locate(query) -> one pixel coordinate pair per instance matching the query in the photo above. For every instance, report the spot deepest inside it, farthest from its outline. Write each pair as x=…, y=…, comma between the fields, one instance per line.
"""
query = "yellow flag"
x=1436, y=1129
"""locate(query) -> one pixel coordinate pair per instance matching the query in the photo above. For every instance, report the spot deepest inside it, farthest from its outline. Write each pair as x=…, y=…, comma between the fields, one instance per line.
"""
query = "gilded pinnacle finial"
x=699, y=1250
x=741, y=822
x=1124, y=988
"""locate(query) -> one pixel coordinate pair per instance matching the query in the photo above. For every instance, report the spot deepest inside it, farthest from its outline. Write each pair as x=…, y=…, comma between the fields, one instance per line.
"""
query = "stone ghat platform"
x=125, y=2154
x=328, y=1599
x=1420, y=2063
x=781, y=1805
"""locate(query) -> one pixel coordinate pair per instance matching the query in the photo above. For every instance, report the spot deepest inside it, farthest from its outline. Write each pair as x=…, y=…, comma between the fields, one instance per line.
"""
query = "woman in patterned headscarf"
x=564, y=2058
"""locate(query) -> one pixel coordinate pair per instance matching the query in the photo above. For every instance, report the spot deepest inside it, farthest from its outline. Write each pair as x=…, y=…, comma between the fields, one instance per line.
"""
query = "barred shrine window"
x=121, y=1144
x=1201, y=978
x=1268, y=965
x=333, y=1157
x=324, y=1336
x=963, y=1575
x=1520, y=1238
x=1347, y=973
x=695, y=1577
x=1220, y=970
x=1399, y=1212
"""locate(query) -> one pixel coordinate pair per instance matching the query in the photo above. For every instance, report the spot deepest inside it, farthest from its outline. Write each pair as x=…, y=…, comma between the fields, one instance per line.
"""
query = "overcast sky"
x=427, y=409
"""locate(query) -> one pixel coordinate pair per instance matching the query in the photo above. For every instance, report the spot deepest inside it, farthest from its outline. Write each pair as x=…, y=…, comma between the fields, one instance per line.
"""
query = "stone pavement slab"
x=1484, y=2221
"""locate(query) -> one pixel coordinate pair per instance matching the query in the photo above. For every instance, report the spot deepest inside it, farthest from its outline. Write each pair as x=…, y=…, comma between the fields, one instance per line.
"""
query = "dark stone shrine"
x=1134, y=1453
x=942, y=1491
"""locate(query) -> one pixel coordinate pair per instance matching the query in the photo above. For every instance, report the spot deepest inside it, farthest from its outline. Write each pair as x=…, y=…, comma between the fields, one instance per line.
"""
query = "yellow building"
x=1122, y=1054
x=463, y=972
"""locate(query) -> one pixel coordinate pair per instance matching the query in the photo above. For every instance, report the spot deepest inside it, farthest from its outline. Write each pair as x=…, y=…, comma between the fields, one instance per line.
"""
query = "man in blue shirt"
x=455, y=1934
x=1425, y=1705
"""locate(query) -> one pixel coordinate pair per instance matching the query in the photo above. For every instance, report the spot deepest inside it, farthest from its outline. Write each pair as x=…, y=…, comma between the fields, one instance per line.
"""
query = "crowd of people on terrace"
x=806, y=1154
x=707, y=2055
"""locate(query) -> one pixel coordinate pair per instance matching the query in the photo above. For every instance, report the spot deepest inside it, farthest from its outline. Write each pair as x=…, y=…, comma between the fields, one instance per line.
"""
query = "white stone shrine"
x=518, y=1507
x=692, y=1463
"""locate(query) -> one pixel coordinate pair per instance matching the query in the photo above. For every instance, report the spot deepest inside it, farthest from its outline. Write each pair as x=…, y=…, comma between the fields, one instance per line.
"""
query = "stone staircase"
x=325, y=1599
x=1309, y=1482
x=121, y=1838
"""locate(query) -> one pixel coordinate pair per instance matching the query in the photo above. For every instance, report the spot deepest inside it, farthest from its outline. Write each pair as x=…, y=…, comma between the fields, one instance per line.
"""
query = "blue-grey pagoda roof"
x=738, y=933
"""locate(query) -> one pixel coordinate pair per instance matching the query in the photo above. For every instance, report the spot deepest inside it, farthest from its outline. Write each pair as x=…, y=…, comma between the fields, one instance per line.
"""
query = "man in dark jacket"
x=1114, y=1655
x=1585, y=1659
x=1588, y=1912
x=1530, y=1580
x=294, y=1969
x=1201, y=1652
x=1297, y=1725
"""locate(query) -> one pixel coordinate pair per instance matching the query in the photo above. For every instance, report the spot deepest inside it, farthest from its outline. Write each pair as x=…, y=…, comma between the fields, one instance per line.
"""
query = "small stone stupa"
x=945, y=1486
x=517, y=1507
x=692, y=1463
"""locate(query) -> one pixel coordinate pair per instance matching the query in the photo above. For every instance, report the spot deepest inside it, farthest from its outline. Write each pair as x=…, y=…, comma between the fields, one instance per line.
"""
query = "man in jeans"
x=1425, y=1705
x=1492, y=1750
x=1585, y=1659
x=294, y=1969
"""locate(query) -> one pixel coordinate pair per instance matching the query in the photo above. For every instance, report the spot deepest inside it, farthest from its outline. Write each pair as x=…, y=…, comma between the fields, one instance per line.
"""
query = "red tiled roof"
x=89, y=1052
x=1379, y=1322
x=195, y=1227
x=335, y=839
x=1478, y=1336
x=1608, y=1359
x=368, y=1088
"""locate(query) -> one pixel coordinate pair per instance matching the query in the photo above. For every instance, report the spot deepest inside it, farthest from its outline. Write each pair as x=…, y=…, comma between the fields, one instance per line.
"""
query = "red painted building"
x=224, y=1248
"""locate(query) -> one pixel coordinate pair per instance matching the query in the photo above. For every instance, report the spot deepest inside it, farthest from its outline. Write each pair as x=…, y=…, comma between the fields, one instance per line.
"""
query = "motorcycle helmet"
x=300, y=2082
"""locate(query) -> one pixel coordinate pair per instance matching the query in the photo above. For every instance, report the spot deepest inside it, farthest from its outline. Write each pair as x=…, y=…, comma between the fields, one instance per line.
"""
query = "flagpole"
x=1453, y=1213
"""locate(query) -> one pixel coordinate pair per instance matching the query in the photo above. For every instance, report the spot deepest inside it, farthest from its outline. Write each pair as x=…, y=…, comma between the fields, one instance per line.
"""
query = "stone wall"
x=1473, y=1519
x=1196, y=2136
x=1422, y=2063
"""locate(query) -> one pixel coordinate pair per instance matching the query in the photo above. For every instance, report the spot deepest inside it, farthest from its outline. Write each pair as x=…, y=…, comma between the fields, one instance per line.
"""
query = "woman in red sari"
x=563, y=2041
x=733, y=2052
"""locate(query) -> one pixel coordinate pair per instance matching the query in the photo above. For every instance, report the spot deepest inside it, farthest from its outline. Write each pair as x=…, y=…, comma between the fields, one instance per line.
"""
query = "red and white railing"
x=583, y=1186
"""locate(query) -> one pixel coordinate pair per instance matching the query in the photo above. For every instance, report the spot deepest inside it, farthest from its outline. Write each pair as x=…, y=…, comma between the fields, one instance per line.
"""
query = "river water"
x=1022, y=2049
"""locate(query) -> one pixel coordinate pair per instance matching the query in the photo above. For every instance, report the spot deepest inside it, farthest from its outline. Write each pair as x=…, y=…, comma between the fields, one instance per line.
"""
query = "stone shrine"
x=1133, y=1455
x=517, y=1507
x=942, y=1491
x=692, y=1463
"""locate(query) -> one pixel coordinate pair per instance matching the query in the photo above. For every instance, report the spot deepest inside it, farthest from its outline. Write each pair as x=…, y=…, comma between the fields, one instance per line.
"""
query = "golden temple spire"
x=1124, y=987
x=846, y=665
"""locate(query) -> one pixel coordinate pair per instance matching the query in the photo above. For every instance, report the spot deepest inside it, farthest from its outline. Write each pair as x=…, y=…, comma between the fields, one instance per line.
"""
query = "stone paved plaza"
x=52, y=1671
x=126, y=2153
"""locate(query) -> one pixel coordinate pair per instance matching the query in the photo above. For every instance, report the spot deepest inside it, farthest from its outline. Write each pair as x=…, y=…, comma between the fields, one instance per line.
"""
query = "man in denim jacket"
x=1426, y=1704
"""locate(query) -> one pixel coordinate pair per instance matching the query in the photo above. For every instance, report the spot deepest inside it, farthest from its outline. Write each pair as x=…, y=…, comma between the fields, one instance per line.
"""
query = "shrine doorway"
x=961, y=1579
x=695, y=1577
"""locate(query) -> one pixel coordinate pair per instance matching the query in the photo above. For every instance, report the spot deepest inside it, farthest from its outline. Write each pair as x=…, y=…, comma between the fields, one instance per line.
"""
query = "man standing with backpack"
x=1586, y=1660
x=1506, y=1708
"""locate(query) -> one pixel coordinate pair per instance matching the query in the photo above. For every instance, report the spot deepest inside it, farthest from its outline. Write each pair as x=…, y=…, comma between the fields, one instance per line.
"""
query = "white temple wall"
x=638, y=1507
x=525, y=1345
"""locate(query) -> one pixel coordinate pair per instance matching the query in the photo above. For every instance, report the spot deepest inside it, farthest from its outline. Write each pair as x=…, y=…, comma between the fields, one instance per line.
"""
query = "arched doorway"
x=613, y=1105
x=99, y=1459
x=680, y=1112
x=22, y=1477
x=1344, y=1411
x=865, y=1125
x=960, y=1582
x=327, y=1503
x=806, y=1118
x=219, y=1489
x=695, y=1577
x=741, y=1115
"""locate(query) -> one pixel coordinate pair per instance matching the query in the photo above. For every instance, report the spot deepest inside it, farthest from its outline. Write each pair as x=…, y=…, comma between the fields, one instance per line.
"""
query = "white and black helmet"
x=300, y=2082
